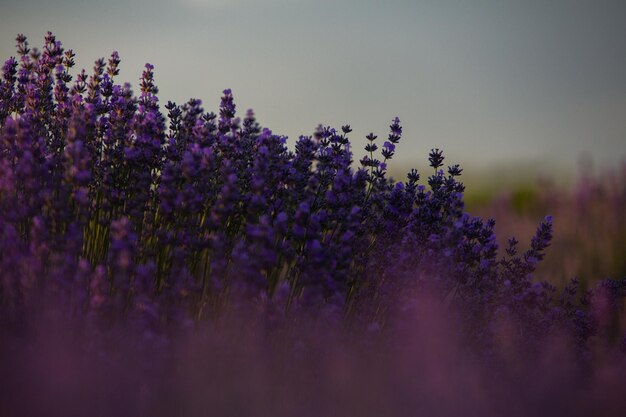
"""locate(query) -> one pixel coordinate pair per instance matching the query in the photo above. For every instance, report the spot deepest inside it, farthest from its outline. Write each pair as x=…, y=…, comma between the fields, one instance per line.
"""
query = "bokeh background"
x=528, y=96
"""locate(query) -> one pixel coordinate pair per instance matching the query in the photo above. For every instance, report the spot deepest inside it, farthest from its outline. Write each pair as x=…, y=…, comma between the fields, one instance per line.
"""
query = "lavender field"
x=164, y=259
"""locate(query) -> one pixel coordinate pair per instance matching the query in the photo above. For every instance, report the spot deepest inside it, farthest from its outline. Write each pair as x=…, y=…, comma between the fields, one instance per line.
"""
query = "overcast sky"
x=487, y=81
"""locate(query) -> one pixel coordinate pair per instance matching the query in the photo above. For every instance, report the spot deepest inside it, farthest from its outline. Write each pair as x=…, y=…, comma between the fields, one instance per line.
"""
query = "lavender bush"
x=128, y=234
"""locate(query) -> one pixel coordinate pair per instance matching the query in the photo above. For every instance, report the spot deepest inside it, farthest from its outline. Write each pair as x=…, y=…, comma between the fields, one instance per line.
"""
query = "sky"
x=492, y=83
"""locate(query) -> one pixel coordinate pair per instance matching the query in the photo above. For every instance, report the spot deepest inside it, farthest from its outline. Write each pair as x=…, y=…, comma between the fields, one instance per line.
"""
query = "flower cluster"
x=120, y=211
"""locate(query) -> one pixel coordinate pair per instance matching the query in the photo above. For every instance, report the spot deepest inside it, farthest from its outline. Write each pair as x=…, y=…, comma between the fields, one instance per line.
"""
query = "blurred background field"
x=589, y=217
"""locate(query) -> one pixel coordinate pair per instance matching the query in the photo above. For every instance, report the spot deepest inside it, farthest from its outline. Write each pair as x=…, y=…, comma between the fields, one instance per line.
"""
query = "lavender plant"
x=120, y=212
